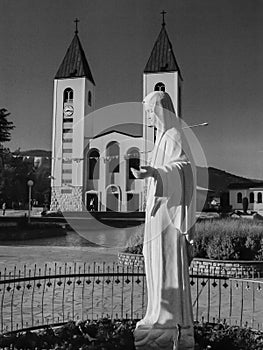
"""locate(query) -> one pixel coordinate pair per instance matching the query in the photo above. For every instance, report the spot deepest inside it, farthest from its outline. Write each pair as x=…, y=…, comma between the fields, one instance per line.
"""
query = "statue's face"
x=151, y=116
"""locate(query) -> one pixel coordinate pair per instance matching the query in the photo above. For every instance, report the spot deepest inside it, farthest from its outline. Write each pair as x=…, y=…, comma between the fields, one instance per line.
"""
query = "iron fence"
x=233, y=300
x=52, y=295
x=55, y=294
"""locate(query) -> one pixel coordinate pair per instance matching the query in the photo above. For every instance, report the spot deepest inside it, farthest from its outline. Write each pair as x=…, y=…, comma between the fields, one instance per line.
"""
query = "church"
x=92, y=171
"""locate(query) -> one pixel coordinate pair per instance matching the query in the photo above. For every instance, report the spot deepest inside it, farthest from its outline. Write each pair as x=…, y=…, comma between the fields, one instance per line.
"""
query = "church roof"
x=162, y=58
x=74, y=64
x=129, y=129
x=245, y=185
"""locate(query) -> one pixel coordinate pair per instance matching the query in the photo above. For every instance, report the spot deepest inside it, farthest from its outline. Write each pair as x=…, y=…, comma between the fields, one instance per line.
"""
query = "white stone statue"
x=169, y=225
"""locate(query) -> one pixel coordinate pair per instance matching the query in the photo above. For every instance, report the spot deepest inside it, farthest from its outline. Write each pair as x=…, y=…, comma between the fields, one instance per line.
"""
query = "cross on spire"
x=76, y=23
x=163, y=13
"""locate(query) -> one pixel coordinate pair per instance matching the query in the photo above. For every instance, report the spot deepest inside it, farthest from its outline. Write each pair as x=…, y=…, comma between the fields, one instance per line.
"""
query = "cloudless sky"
x=218, y=45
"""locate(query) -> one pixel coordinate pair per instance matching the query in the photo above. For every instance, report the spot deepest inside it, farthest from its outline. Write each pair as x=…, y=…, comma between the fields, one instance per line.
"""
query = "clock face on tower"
x=68, y=110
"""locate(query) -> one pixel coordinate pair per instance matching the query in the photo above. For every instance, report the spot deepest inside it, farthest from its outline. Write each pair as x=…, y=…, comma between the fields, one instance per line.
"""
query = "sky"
x=218, y=45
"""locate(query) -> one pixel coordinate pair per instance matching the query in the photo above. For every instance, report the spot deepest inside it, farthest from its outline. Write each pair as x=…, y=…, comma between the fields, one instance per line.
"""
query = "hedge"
x=223, y=239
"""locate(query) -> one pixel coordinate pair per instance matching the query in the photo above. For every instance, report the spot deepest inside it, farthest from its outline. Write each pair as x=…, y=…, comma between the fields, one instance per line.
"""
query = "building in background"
x=93, y=171
x=250, y=192
x=73, y=99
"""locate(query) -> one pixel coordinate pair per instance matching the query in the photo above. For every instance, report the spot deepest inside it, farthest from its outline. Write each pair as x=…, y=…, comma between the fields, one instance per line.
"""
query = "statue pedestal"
x=164, y=338
x=156, y=338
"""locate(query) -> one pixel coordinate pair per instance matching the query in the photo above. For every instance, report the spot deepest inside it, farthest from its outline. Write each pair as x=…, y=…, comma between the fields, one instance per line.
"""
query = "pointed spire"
x=162, y=58
x=75, y=64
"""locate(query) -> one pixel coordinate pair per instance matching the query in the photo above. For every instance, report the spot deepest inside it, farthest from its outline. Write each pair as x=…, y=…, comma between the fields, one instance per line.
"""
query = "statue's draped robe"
x=166, y=240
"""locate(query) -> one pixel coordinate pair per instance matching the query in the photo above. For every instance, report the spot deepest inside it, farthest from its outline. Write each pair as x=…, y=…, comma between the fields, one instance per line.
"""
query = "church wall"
x=56, y=139
x=170, y=80
x=78, y=143
x=61, y=201
x=67, y=180
x=88, y=117
x=120, y=179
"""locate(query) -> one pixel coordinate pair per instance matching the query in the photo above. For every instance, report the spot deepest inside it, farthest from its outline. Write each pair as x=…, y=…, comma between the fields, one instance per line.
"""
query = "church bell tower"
x=162, y=73
x=73, y=100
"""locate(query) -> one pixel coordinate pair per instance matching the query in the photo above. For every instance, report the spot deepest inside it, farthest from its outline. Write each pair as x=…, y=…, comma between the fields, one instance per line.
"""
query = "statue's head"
x=160, y=109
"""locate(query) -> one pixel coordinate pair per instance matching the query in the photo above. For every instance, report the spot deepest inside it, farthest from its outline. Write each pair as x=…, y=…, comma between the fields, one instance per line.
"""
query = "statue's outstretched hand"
x=144, y=172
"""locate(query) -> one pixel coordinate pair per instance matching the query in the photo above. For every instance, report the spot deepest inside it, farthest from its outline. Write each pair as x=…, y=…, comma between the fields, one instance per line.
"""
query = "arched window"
x=239, y=197
x=251, y=197
x=159, y=87
x=94, y=164
x=113, y=200
x=113, y=156
x=133, y=161
x=89, y=98
x=259, y=197
x=68, y=95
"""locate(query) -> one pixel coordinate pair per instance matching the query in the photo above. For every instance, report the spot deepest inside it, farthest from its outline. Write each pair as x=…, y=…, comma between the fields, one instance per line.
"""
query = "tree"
x=16, y=173
x=5, y=126
x=5, y=133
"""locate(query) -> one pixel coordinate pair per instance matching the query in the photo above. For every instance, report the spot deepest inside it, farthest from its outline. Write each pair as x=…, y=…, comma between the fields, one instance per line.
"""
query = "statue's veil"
x=161, y=104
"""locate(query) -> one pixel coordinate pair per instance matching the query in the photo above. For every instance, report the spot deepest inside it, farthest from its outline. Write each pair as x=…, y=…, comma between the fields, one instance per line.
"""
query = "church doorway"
x=113, y=199
x=133, y=203
x=92, y=201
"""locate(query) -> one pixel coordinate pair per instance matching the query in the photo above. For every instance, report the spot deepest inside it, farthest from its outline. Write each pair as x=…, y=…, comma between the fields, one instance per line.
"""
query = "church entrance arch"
x=113, y=198
x=92, y=201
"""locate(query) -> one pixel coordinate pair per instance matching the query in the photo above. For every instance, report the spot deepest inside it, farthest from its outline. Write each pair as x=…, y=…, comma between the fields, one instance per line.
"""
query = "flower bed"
x=106, y=334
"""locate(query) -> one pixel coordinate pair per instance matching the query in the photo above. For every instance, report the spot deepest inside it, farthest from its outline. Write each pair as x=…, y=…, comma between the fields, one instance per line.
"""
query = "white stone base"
x=164, y=338
x=156, y=338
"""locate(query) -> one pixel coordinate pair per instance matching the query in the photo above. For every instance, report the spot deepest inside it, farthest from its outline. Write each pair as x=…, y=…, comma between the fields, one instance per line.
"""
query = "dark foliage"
x=17, y=170
x=5, y=126
x=105, y=334
x=220, y=336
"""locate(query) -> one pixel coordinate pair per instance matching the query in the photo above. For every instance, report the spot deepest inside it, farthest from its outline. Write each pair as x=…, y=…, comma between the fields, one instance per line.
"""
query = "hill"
x=36, y=153
x=219, y=180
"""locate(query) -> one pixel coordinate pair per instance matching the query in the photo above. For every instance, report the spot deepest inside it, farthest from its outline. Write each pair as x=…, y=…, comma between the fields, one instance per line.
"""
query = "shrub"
x=222, y=336
x=85, y=335
x=135, y=242
x=107, y=334
x=231, y=239
x=224, y=239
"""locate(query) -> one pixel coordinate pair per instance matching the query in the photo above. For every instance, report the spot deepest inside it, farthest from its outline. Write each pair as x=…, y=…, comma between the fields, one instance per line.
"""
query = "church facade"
x=92, y=172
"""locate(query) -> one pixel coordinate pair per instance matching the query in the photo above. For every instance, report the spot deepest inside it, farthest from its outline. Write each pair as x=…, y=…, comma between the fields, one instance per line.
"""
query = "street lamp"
x=30, y=183
x=195, y=125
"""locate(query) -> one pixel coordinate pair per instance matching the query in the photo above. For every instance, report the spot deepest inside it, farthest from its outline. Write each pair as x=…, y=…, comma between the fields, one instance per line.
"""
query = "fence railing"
x=35, y=297
x=56, y=294
x=219, y=298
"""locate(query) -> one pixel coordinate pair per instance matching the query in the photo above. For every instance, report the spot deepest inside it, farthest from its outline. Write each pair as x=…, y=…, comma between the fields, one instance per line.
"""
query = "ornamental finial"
x=76, y=22
x=163, y=13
